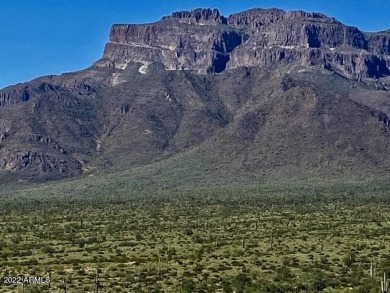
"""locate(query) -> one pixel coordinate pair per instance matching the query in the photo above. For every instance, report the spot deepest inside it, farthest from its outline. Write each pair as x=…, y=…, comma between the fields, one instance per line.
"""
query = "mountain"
x=204, y=41
x=262, y=94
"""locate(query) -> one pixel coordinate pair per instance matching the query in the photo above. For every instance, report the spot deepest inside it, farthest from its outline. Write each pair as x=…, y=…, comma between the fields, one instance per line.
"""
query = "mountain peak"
x=204, y=41
x=198, y=16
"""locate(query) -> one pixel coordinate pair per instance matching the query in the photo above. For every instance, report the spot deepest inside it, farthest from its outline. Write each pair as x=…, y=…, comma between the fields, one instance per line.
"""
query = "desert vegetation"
x=260, y=239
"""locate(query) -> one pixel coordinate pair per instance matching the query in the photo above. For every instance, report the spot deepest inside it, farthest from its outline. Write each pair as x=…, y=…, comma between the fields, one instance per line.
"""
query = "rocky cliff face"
x=178, y=45
x=204, y=41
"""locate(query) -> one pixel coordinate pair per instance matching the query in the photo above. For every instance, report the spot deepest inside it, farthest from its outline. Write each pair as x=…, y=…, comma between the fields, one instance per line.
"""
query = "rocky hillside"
x=261, y=93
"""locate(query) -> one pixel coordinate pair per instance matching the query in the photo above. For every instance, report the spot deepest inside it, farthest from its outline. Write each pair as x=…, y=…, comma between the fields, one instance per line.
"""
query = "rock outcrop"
x=203, y=40
x=40, y=162
x=178, y=45
x=198, y=16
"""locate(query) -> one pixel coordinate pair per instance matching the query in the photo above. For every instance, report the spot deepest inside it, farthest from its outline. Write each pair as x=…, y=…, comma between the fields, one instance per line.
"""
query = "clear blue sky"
x=39, y=37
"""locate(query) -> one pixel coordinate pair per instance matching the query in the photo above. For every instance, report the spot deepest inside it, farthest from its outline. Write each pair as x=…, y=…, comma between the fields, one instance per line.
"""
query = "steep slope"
x=197, y=97
x=47, y=130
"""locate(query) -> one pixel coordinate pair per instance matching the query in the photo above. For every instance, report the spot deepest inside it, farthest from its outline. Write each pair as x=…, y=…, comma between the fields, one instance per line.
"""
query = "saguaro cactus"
x=371, y=270
x=64, y=284
x=159, y=268
x=97, y=282
x=49, y=272
x=385, y=284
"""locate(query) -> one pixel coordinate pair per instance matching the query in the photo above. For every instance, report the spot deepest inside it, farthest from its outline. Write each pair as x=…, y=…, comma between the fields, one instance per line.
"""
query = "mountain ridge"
x=256, y=37
x=249, y=93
